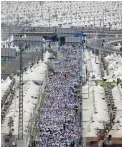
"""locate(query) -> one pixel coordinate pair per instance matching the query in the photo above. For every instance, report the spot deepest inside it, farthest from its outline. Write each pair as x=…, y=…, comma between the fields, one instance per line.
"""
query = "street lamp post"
x=10, y=124
x=94, y=22
x=121, y=21
x=103, y=19
x=71, y=11
x=100, y=22
x=49, y=16
x=104, y=10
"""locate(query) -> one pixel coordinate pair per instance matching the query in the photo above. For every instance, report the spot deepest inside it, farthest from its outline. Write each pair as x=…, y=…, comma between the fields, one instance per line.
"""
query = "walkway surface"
x=58, y=124
x=97, y=44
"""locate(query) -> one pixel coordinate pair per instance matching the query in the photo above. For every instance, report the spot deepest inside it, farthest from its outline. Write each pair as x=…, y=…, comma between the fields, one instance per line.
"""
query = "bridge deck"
x=97, y=45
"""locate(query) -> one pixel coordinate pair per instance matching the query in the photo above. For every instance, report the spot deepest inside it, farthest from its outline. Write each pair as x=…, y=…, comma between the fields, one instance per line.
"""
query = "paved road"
x=13, y=66
x=97, y=45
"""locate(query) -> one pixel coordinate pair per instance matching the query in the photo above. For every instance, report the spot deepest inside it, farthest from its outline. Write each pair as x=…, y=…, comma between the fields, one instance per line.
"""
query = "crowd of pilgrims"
x=58, y=124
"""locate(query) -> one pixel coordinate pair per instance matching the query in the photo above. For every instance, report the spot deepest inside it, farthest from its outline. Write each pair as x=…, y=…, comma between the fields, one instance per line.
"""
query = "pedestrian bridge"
x=96, y=44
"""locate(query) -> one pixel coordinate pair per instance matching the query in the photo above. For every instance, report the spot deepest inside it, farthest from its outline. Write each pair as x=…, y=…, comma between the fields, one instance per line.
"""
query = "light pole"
x=71, y=11
x=41, y=3
x=20, y=141
x=104, y=10
x=94, y=22
x=116, y=25
x=10, y=124
x=121, y=21
x=103, y=19
x=100, y=22
x=49, y=17
x=119, y=9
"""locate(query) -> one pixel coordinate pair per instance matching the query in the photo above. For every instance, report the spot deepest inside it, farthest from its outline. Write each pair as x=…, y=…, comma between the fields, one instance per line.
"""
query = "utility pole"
x=100, y=22
x=9, y=37
x=121, y=21
x=94, y=22
x=71, y=10
x=98, y=134
x=10, y=124
x=49, y=17
x=8, y=44
x=119, y=9
x=90, y=8
x=88, y=86
x=103, y=19
x=20, y=126
x=41, y=2
x=56, y=14
x=95, y=41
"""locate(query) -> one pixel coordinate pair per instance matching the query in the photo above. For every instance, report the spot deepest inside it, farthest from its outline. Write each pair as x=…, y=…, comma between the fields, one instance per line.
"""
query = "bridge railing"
x=14, y=29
